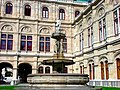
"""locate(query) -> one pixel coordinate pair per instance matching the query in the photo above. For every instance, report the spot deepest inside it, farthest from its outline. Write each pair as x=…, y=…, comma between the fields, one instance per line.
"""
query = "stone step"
x=56, y=88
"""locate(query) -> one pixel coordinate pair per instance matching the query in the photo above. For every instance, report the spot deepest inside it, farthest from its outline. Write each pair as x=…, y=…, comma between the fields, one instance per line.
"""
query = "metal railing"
x=109, y=83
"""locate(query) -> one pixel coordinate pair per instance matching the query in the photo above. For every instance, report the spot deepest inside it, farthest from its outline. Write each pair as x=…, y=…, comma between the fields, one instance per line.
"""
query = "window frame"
x=116, y=21
x=45, y=42
x=27, y=10
x=45, y=12
x=102, y=29
x=9, y=8
x=26, y=41
x=6, y=39
x=61, y=14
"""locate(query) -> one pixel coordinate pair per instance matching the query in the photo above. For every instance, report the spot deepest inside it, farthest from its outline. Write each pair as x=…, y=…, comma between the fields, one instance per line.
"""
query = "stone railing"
x=109, y=83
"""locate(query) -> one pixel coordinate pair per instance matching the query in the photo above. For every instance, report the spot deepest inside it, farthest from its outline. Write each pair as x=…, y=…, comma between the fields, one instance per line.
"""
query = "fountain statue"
x=58, y=62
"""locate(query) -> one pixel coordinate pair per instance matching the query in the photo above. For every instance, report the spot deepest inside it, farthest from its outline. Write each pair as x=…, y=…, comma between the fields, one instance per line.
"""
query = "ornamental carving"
x=101, y=12
x=7, y=28
x=44, y=31
x=26, y=29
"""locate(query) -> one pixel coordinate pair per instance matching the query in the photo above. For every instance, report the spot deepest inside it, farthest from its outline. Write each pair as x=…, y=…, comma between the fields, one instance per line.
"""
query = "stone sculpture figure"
x=57, y=26
x=58, y=44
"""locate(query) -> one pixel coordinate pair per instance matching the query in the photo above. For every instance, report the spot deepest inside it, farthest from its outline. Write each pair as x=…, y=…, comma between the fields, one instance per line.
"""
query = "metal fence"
x=109, y=83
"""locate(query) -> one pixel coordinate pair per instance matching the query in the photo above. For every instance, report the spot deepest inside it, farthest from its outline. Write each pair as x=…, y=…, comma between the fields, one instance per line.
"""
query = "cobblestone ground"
x=55, y=88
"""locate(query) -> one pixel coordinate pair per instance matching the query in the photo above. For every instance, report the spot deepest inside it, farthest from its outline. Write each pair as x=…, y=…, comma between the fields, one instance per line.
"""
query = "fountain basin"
x=58, y=79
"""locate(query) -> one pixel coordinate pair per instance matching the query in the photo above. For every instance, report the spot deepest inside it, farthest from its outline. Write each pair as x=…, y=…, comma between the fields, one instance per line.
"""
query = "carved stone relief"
x=101, y=12
x=7, y=28
x=44, y=31
x=26, y=29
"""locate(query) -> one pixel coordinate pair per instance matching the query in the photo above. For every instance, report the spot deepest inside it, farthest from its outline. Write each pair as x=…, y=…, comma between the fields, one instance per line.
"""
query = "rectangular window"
x=90, y=36
x=26, y=43
x=102, y=29
x=65, y=45
x=116, y=21
x=81, y=41
x=6, y=42
x=44, y=44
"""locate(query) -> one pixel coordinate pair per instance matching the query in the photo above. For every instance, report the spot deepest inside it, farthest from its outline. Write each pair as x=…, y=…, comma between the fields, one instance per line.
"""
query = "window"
x=82, y=69
x=6, y=42
x=118, y=68
x=26, y=43
x=102, y=70
x=62, y=14
x=81, y=41
x=65, y=70
x=90, y=36
x=27, y=10
x=40, y=70
x=116, y=15
x=77, y=13
x=65, y=45
x=44, y=44
x=45, y=12
x=47, y=70
x=9, y=7
x=91, y=71
x=107, y=70
x=102, y=29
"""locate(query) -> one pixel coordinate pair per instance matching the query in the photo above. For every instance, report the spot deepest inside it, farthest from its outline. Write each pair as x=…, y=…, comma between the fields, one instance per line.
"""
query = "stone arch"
x=6, y=27
x=89, y=20
x=26, y=29
x=103, y=58
x=23, y=70
x=90, y=61
x=5, y=70
x=44, y=30
x=117, y=54
x=100, y=11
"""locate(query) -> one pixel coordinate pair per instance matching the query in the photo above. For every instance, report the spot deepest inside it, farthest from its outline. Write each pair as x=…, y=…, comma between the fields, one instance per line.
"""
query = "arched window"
x=118, y=68
x=107, y=70
x=45, y=12
x=9, y=8
x=27, y=10
x=82, y=69
x=102, y=70
x=91, y=71
x=65, y=70
x=40, y=70
x=47, y=70
x=77, y=13
x=62, y=14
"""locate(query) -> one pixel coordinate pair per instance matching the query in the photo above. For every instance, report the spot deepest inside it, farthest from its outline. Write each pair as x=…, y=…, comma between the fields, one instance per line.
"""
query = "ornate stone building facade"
x=92, y=36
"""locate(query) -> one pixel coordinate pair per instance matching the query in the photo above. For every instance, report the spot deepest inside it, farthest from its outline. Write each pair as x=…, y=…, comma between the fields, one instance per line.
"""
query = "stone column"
x=15, y=63
x=35, y=66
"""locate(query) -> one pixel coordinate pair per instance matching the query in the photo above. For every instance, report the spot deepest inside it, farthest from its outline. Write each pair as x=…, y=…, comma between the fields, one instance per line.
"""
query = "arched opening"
x=40, y=70
x=118, y=68
x=27, y=10
x=9, y=8
x=47, y=70
x=65, y=70
x=102, y=70
x=23, y=70
x=62, y=14
x=6, y=72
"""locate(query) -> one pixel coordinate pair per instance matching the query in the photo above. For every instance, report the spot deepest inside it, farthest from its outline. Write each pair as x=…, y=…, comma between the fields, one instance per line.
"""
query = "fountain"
x=58, y=79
